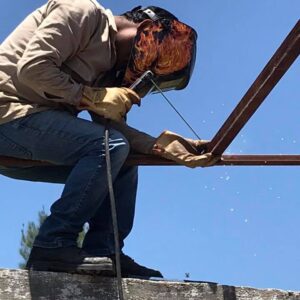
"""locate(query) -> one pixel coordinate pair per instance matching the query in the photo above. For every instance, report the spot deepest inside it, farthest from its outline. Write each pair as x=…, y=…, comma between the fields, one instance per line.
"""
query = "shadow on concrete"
x=229, y=292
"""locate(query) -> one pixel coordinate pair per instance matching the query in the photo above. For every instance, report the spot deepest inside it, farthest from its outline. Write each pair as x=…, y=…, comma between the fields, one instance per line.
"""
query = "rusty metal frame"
x=260, y=89
x=277, y=66
x=153, y=160
x=227, y=160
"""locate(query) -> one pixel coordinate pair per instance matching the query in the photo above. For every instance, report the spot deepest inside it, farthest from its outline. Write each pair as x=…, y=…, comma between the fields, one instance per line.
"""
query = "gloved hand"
x=110, y=103
x=183, y=151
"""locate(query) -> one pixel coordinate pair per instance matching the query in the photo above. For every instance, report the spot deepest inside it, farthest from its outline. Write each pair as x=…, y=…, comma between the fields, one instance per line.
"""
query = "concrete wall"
x=20, y=284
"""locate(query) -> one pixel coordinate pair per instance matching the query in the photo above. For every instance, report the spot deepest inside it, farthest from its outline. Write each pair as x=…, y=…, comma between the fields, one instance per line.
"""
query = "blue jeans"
x=76, y=148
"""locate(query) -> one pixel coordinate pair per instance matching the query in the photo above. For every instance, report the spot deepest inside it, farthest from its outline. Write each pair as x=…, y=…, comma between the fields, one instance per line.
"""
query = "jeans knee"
x=118, y=145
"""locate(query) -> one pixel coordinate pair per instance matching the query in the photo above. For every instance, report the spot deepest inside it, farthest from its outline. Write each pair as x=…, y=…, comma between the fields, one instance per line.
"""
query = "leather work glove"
x=110, y=103
x=183, y=151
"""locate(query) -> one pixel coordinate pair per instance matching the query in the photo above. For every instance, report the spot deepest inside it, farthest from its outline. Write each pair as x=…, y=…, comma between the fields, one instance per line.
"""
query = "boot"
x=129, y=268
x=70, y=260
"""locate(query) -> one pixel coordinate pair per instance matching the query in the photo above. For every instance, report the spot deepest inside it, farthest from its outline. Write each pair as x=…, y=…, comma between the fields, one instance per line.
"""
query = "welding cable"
x=174, y=108
x=113, y=214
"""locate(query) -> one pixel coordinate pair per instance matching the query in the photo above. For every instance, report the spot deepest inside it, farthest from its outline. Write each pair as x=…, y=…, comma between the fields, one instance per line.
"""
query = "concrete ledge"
x=20, y=284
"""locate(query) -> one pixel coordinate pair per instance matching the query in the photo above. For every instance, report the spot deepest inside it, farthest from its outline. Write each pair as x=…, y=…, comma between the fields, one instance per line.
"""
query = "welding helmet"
x=167, y=48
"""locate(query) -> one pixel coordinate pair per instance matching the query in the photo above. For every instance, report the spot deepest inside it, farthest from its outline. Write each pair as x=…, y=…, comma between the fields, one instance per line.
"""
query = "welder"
x=74, y=55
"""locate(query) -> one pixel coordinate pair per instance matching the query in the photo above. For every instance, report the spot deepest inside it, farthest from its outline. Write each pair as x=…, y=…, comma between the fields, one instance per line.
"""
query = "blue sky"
x=232, y=225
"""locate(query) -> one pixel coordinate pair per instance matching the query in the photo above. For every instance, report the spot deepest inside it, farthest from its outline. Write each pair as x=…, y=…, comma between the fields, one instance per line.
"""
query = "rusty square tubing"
x=227, y=160
x=283, y=58
x=153, y=160
x=260, y=160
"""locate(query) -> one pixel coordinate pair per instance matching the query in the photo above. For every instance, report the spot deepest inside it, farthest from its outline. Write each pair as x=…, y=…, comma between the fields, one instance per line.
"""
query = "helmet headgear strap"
x=151, y=14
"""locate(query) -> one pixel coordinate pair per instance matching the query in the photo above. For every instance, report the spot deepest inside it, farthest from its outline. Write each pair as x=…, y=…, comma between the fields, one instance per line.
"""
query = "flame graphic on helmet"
x=161, y=50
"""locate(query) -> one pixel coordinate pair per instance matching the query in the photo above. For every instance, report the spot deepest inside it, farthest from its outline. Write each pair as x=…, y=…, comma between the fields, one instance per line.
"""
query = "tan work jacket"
x=42, y=59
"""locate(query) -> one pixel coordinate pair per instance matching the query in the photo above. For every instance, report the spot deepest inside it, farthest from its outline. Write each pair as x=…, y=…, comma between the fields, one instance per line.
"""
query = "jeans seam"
x=58, y=133
x=92, y=178
x=81, y=141
x=14, y=145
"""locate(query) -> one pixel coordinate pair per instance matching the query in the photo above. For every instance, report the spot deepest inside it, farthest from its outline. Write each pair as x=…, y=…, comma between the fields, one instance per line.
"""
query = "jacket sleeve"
x=140, y=142
x=65, y=30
